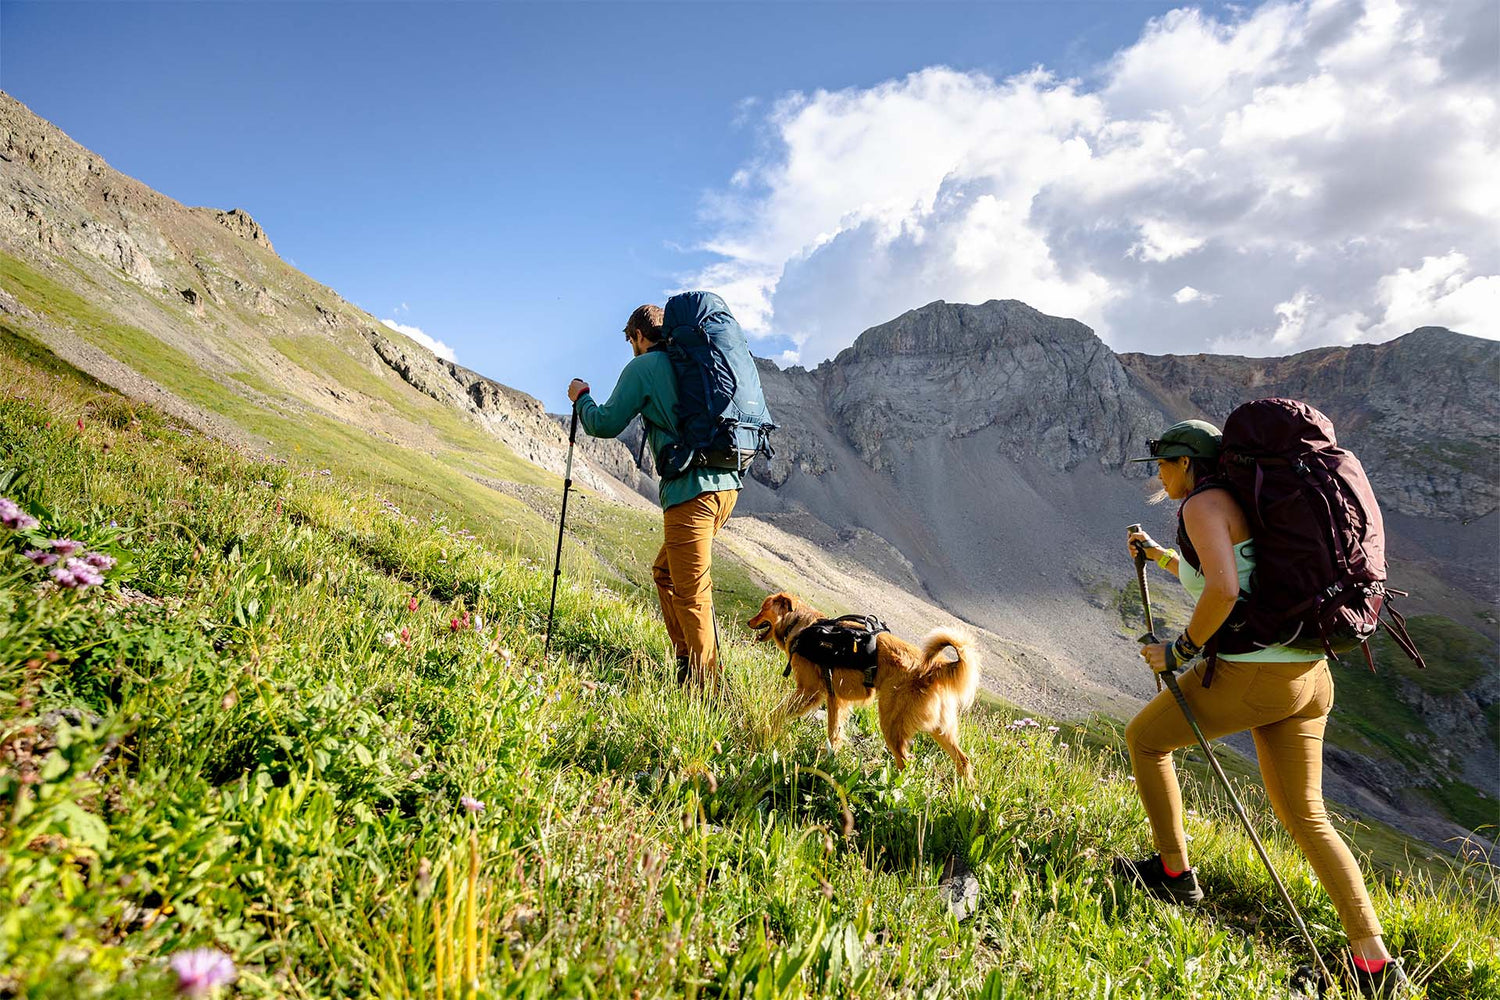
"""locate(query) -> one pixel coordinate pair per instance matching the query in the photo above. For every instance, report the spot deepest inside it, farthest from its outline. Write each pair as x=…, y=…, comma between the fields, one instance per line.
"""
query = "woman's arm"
x=1154, y=551
x=1208, y=517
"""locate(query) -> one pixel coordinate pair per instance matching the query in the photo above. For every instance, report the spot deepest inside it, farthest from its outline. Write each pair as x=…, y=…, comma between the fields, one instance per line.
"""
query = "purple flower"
x=472, y=804
x=75, y=574
x=40, y=558
x=13, y=517
x=64, y=547
x=201, y=971
x=103, y=563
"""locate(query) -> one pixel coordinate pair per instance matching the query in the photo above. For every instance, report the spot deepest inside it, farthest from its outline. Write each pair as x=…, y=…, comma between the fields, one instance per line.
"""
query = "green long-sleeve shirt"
x=648, y=386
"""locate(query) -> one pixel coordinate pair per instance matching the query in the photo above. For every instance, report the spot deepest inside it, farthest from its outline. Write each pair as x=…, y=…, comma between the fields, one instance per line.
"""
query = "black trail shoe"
x=683, y=671
x=1150, y=875
x=1389, y=983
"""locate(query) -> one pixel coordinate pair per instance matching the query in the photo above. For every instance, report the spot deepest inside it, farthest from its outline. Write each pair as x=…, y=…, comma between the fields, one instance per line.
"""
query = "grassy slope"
x=621, y=542
x=244, y=759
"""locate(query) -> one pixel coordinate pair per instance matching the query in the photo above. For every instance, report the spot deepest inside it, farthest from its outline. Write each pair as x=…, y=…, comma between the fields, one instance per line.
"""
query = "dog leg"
x=836, y=708
x=898, y=744
x=949, y=742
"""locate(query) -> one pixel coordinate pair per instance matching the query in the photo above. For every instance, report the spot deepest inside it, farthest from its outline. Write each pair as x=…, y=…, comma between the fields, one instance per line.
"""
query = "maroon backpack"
x=1319, y=581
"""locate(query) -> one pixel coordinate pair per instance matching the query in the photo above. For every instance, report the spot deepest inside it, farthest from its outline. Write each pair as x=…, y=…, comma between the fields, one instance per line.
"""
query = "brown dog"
x=920, y=690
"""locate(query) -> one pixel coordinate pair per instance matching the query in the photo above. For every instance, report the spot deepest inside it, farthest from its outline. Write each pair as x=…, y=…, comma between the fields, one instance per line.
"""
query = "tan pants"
x=1285, y=705
x=681, y=571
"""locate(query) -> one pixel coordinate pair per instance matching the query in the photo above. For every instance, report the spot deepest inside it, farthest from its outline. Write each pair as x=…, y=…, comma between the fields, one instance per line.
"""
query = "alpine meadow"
x=277, y=577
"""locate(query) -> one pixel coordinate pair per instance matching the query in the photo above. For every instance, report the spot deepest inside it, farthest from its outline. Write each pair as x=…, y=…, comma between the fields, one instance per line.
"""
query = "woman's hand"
x=1153, y=550
x=1155, y=656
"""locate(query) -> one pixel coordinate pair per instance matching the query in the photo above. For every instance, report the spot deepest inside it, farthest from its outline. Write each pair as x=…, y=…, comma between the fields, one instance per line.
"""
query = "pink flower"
x=40, y=558
x=13, y=517
x=201, y=971
x=472, y=804
x=103, y=563
x=64, y=547
x=75, y=574
x=411, y=605
x=454, y=625
x=406, y=637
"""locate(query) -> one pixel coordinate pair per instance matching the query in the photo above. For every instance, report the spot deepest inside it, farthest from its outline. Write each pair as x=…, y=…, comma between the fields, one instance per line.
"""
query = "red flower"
x=411, y=605
x=406, y=637
x=454, y=625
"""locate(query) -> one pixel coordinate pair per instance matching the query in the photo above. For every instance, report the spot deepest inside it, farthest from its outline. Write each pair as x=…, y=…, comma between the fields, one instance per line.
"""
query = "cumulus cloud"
x=422, y=337
x=1323, y=168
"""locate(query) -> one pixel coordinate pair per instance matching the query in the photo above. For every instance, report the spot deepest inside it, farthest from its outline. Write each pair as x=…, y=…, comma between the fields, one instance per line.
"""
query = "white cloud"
x=1325, y=166
x=1187, y=293
x=1440, y=292
x=427, y=340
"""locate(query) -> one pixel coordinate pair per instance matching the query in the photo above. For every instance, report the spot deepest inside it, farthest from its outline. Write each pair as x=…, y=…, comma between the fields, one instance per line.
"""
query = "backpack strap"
x=1396, y=626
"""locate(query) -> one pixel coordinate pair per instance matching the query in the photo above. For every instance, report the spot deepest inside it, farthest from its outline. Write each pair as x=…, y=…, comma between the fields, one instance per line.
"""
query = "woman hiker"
x=1281, y=695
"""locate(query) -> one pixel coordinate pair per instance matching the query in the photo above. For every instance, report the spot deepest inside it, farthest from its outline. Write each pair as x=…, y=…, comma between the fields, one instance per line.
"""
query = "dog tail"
x=963, y=673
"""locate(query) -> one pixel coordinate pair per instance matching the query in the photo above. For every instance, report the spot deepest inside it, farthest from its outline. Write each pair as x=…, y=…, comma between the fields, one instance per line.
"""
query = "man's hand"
x=577, y=388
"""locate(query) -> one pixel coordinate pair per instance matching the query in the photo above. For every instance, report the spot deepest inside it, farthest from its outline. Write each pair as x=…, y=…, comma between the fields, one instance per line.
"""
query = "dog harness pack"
x=845, y=643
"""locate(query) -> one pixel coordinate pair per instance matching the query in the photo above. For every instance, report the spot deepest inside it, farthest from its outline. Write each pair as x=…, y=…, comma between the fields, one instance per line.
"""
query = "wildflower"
x=64, y=547
x=1052, y=729
x=75, y=574
x=201, y=971
x=1062, y=746
x=389, y=639
x=41, y=558
x=103, y=563
x=406, y=637
x=13, y=517
x=472, y=804
x=80, y=423
x=411, y=605
x=454, y=625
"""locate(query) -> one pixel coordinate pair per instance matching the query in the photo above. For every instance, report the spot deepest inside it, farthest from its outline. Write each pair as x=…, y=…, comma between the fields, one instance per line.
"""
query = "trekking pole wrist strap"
x=1165, y=559
x=1182, y=651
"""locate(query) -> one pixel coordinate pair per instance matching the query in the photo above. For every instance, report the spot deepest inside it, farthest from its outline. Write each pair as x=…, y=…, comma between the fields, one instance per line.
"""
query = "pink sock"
x=1172, y=874
x=1371, y=965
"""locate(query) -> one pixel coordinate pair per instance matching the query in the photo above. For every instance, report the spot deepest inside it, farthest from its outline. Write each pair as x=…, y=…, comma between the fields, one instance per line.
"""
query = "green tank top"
x=1244, y=561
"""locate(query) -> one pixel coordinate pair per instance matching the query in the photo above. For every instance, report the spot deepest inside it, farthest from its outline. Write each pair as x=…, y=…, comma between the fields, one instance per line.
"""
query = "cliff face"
x=1423, y=411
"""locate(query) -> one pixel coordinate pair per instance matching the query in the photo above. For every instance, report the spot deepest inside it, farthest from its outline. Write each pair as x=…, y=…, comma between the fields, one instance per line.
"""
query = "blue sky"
x=514, y=178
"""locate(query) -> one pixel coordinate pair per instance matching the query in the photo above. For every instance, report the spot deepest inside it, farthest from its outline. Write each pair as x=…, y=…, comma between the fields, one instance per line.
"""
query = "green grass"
x=233, y=745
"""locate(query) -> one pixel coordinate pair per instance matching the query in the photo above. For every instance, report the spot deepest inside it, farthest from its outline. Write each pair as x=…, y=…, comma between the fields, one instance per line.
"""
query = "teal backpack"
x=722, y=418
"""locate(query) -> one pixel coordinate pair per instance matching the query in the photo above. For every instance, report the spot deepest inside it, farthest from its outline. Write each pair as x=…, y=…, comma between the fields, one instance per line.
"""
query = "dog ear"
x=782, y=602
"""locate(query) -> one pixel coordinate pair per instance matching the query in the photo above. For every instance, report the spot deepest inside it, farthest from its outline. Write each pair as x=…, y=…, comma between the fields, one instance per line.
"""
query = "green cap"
x=1194, y=438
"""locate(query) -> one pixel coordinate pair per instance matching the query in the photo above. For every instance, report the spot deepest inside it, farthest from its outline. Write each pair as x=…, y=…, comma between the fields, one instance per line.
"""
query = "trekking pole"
x=1213, y=763
x=1140, y=576
x=561, y=521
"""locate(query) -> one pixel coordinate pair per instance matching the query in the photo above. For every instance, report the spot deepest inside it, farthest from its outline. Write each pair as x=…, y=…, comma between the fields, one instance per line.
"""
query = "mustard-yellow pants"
x=684, y=583
x=1285, y=706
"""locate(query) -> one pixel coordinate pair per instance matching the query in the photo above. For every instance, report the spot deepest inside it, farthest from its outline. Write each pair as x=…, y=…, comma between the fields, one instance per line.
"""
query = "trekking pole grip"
x=1140, y=575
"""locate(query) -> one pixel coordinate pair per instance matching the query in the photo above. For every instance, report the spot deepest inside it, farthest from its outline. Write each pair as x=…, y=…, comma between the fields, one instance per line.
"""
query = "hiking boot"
x=1389, y=983
x=1150, y=875
x=684, y=671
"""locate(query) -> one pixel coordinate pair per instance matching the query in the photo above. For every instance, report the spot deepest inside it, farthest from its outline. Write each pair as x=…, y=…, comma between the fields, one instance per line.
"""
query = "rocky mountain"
x=959, y=462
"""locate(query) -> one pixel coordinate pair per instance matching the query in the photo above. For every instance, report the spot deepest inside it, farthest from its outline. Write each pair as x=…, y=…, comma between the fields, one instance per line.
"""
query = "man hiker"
x=695, y=504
